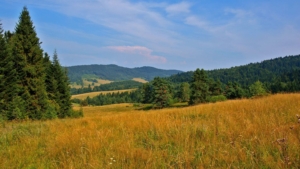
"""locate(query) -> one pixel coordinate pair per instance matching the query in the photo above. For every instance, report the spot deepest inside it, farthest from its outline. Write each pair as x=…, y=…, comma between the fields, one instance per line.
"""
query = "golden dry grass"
x=93, y=94
x=87, y=83
x=140, y=80
x=231, y=134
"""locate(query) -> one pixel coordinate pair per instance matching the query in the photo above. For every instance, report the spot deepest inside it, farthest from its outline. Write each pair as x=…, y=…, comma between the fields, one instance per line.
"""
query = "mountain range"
x=116, y=73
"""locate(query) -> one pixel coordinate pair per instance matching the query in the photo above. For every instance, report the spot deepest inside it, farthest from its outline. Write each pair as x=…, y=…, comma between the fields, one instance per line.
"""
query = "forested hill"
x=117, y=73
x=265, y=71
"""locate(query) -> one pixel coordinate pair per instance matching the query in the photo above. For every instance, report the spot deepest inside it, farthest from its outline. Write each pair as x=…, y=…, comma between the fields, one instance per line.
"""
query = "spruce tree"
x=28, y=60
x=199, y=87
x=9, y=78
x=63, y=96
x=184, y=92
x=161, y=92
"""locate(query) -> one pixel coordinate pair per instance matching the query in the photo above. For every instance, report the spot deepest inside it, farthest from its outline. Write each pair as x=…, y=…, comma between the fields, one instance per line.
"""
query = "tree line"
x=162, y=93
x=31, y=85
x=127, y=84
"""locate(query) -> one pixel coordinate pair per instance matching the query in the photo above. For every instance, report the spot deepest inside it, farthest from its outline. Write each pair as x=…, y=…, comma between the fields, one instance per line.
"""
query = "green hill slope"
x=264, y=71
x=116, y=73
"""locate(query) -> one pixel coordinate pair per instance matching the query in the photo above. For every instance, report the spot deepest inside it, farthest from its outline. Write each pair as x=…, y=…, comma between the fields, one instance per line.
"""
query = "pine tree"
x=28, y=61
x=257, y=89
x=3, y=55
x=9, y=78
x=184, y=92
x=199, y=87
x=161, y=92
x=147, y=93
x=63, y=96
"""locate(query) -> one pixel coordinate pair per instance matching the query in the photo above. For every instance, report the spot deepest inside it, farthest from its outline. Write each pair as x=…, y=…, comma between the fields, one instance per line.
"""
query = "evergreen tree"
x=184, y=92
x=199, y=87
x=161, y=92
x=63, y=96
x=215, y=88
x=28, y=61
x=8, y=78
x=147, y=93
x=257, y=89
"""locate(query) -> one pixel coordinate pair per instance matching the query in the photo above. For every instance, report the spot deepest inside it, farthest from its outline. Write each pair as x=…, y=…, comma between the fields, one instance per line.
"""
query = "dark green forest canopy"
x=265, y=71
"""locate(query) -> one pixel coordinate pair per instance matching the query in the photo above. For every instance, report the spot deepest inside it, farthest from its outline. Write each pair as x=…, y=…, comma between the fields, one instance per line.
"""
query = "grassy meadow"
x=86, y=83
x=255, y=133
x=94, y=94
x=140, y=80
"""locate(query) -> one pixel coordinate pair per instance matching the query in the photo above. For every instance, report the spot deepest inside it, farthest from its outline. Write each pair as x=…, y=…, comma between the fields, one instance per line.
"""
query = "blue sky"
x=182, y=35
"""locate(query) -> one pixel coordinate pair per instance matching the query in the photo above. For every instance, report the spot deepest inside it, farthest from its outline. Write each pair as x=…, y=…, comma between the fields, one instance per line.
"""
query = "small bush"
x=218, y=98
x=76, y=113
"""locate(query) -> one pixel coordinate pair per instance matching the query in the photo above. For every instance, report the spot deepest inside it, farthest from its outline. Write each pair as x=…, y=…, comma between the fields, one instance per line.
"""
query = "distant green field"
x=93, y=94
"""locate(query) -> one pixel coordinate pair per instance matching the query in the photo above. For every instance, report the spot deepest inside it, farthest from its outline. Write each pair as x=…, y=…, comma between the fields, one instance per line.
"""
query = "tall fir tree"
x=9, y=78
x=199, y=87
x=184, y=92
x=28, y=60
x=161, y=93
x=63, y=96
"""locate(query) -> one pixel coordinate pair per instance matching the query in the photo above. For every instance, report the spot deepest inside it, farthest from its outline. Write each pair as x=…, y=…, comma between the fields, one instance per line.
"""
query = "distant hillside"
x=116, y=73
x=264, y=71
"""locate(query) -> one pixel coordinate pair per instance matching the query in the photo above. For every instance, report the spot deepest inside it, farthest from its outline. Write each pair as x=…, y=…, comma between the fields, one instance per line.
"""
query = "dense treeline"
x=116, y=73
x=127, y=84
x=111, y=98
x=201, y=89
x=31, y=86
x=266, y=72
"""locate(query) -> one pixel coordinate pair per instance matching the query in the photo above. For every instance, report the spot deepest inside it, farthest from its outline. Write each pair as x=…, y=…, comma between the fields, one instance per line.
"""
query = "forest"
x=278, y=75
x=31, y=85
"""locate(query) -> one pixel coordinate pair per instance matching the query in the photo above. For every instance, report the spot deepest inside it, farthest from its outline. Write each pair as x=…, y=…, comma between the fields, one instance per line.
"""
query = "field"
x=86, y=83
x=255, y=133
x=93, y=94
x=140, y=80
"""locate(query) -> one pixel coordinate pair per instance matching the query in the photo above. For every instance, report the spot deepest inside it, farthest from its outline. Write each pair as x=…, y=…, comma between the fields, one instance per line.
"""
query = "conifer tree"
x=184, y=92
x=9, y=78
x=147, y=93
x=199, y=87
x=28, y=60
x=63, y=96
x=161, y=92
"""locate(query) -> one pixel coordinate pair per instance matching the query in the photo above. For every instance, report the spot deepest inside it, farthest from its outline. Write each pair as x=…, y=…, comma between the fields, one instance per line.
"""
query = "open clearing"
x=93, y=94
x=140, y=80
x=86, y=83
x=254, y=133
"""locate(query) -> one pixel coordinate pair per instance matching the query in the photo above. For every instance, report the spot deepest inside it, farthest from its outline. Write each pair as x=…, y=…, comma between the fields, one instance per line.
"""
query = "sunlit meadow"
x=254, y=133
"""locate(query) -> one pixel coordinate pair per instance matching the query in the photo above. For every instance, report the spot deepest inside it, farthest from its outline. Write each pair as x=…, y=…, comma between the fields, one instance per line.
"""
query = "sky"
x=182, y=35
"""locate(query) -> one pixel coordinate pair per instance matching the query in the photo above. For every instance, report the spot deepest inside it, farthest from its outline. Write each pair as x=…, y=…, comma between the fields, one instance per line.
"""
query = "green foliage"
x=217, y=98
x=116, y=73
x=265, y=71
x=147, y=93
x=111, y=98
x=257, y=89
x=161, y=93
x=199, y=87
x=31, y=86
x=234, y=90
x=184, y=92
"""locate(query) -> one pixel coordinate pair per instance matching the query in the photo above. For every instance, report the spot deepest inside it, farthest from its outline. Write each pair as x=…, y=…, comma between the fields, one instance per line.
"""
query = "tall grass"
x=256, y=133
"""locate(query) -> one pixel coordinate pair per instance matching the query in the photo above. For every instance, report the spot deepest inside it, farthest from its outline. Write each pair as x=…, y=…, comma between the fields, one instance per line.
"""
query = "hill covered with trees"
x=117, y=73
x=265, y=71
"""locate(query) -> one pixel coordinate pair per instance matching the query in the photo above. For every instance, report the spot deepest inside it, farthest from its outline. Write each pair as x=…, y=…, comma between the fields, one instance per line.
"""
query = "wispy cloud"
x=140, y=50
x=179, y=8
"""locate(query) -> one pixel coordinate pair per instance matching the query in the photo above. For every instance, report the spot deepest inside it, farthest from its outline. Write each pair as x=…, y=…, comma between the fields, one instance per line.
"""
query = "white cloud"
x=182, y=7
x=140, y=50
